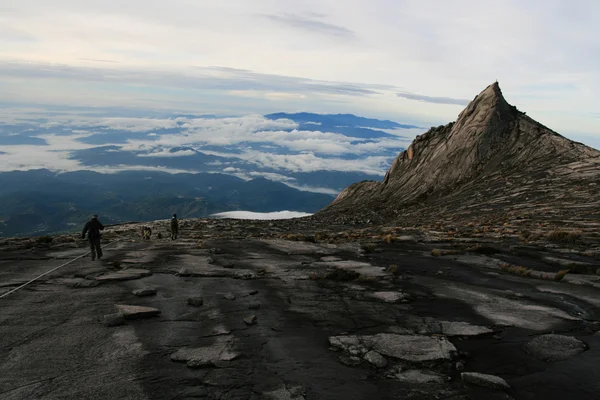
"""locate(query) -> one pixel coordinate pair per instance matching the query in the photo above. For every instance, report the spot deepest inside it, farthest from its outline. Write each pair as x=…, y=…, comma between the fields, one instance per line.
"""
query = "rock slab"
x=416, y=376
x=412, y=348
x=553, y=347
x=144, y=292
x=124, y=275
x=221, y=351
x=134, y=312
x=489, y=381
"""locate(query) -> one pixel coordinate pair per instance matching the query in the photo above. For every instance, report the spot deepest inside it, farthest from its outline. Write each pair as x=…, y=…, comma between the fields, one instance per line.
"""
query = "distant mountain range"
x=346, y=124
x=41, y=202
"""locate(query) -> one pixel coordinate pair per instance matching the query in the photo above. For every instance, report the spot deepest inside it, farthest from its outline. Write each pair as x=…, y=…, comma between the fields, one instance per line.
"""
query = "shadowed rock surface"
x=319, y=332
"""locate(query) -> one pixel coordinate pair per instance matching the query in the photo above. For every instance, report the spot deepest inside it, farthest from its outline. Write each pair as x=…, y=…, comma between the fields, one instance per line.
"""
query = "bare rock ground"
x=341, y=315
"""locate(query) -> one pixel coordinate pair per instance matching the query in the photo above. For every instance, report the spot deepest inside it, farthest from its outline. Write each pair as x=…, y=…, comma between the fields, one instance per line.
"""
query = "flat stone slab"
x=287, y=392
x=144, y=292
x=416, y=376
x=124, y=275
x=221, y=351
x=489, y=381
x=554, y=347
x=133, y=312
x=430, y=326
x=404, y=347
x=389, y=297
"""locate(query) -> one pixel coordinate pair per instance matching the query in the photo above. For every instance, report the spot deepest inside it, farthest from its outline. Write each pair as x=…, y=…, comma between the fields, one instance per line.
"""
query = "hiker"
x=174, y=227
x=146, y=233
x=93, y=228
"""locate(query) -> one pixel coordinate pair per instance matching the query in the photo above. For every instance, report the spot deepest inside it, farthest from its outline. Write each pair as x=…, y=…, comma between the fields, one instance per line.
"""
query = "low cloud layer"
x=435, y=100
x=261, y=216
x=248, y=147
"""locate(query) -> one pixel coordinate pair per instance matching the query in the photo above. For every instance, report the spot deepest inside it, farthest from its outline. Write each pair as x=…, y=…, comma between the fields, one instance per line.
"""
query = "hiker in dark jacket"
x=93, y=228
x=174, y=227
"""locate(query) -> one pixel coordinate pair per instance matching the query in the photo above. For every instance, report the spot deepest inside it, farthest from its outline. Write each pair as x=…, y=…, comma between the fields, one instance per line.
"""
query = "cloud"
x=308, y=162
x=261, y=216
x=168, y=153
x=435, y=100
x=96, y=60
x=312, y=23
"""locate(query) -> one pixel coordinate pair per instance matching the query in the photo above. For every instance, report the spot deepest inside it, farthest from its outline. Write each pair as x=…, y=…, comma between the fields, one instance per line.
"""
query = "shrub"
x=479, y=249
x=564, y=237
x=561, y=274
x=368, y=247
x=337, y=274
x=393, y=269
x=441, y=252
x=515, y=270
x=44, y=240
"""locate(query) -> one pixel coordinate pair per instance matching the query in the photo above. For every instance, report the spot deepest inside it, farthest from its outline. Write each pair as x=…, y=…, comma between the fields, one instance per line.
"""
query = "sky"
x=416, y=62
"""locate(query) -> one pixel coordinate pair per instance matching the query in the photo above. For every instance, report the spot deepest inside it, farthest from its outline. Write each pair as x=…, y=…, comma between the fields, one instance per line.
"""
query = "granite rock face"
x=493, y=157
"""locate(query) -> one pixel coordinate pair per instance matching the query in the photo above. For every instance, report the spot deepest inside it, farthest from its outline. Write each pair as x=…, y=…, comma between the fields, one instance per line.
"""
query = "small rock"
x=133, y=312
x=115, y=319
x=554, y=347
x=229, y=296
x=144, y=292
x=211, y=260
x=376, y=359
x=440, y=273
x=195, y=301
x=251, y=320
x=244, y=275
x=253, y=292
x=490, y=381
x=184, y=272
x=460, y=366
x=254, y=306
x=351, y=361
x=389, y=297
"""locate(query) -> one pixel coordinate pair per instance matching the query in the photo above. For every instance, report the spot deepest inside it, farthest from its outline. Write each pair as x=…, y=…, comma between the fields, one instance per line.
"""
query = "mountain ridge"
x=490, y=140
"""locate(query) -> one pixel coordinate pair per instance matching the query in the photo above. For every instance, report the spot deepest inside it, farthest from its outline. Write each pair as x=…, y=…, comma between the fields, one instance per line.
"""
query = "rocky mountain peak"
x=491, y=143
